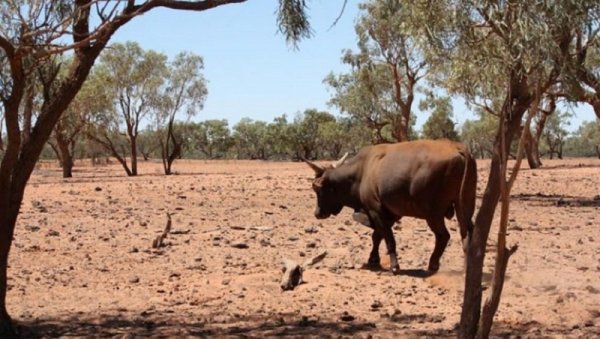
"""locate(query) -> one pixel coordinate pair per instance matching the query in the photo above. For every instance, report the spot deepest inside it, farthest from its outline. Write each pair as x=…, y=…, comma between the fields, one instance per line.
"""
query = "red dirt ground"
x=82, y=262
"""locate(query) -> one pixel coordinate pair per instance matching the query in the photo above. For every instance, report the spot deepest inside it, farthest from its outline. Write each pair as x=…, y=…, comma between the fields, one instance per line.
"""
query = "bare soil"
x=82, y=263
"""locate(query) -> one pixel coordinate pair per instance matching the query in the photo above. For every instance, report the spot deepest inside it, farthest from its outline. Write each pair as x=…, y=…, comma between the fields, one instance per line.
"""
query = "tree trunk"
x=134, y=170
x=532, y=150
x=7, y=225
x=476, y=252
x=66, y=156
x=560, y=150
x=471, y=311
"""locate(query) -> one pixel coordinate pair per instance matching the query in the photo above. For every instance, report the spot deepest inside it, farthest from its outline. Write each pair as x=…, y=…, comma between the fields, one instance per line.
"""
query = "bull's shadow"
x=411, y=272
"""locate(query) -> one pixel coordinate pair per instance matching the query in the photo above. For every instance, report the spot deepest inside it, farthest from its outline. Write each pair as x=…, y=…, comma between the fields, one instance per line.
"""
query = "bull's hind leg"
x=442, y=237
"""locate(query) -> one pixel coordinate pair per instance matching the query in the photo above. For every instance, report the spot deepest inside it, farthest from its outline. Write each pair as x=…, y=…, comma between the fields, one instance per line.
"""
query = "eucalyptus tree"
x=307, y=141
x=582, y=83
x=184, y=92
x=489, y=50
x=211, y=137
x=439, y=125
x=585, y=142
x=546, y=108
x=70, y=128
x=380, y=88
x=249, y=138
x=279, y=137
x=132, y=78
x=32, y=32
x=479, y=134
x=555, y=133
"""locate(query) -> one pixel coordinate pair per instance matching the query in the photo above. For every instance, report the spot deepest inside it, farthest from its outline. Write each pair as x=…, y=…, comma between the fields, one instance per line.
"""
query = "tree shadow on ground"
x=558, y=200
x=252, y=326
x=121, y=326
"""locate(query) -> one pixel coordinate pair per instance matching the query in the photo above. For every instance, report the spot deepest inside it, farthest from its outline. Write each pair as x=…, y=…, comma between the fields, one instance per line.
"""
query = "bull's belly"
x=417, y=210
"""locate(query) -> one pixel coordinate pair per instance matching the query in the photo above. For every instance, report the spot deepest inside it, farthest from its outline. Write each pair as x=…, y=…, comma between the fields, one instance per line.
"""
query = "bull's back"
x=419, y=179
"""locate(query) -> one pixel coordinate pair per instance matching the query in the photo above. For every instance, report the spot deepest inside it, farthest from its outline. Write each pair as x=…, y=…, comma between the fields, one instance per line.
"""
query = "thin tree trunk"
x=503, y=254
x=532, y=151
x=66, y=156
x=134, y=170
x=471, y=311
x=7, y=227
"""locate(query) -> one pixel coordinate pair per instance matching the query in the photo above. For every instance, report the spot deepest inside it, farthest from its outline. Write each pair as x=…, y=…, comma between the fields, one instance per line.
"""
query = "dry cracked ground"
x=82, y=263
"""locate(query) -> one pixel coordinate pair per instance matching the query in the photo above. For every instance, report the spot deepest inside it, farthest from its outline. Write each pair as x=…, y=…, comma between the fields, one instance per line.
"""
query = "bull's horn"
x=341, y=161
x=318, y=169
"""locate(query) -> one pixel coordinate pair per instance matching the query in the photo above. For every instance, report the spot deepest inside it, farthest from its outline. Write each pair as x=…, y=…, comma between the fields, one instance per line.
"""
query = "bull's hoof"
x=372, y=265
x=433, y=268
x=395, y=270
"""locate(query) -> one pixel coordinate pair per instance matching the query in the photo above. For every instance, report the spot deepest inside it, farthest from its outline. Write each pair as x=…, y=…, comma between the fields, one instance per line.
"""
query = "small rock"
x=98, y=189
x=293, y=238
x=376, y=305
x=311, y=229
x=52, y=233
x=240, y=245
x=134, y=250
x=592, y=289
x=347, y=317
x=134, y=280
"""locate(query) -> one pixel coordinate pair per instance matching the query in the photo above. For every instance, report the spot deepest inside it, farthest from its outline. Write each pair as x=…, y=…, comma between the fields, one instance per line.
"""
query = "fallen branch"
x=158, y=242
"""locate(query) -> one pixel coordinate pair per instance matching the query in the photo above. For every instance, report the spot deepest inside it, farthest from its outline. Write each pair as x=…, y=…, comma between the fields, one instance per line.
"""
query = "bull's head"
x=329, y=200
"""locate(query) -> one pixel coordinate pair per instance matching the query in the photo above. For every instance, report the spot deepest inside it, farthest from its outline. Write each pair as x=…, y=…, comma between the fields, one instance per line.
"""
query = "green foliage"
x=250, y=139
x=306, y=133
x=279, y=138
x=585, y=142
x=210, y=137
x=292, y=20
x=480, y=135
x=439, y=124
x=555, y=133
x=379, y=90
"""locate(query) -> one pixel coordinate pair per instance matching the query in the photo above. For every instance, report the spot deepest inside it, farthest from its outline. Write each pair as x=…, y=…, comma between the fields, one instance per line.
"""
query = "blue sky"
x=251, y=71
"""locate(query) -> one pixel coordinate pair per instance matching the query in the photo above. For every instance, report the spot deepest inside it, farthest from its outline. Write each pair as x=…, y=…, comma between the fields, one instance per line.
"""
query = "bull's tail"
x=465, y=206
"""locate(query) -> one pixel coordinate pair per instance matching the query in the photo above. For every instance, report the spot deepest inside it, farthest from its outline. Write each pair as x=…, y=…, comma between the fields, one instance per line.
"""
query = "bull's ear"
x=318, y=169
x=341, y=161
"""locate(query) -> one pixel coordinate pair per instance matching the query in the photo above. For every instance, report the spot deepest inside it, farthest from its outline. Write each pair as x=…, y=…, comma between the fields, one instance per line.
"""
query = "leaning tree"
x=501, y=56
x=32, y=34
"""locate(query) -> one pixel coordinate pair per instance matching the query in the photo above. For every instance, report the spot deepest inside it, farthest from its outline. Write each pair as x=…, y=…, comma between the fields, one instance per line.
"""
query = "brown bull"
x=425, y=179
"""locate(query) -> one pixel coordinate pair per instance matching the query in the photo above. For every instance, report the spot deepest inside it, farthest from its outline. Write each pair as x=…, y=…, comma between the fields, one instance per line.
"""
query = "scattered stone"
x=347, y=317
x=592, y=289
x=52, y=233
x=376, y=305
x=32, y=228
x=98, y=189
x=311, y=230
x=134, y=279
x=240, y=245
x=134, y=250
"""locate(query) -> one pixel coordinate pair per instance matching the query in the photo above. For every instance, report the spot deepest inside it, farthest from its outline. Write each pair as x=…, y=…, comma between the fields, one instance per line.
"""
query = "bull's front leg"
x=374, y=260
x=383, y=227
